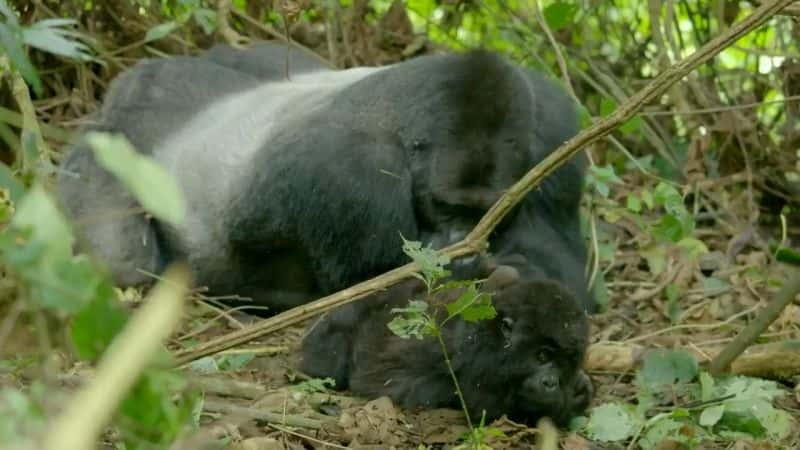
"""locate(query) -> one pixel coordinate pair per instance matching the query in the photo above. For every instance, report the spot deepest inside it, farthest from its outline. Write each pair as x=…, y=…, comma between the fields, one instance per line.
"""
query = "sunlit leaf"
x=18, y=58
x=160, y=31
x=156, y=190
x=48, y=35
x=711, y=415
x=666, y=429
x=667, y=367
x=560, y=14
x=611, y=422
x=472, y=306
x=234, y=362
x=96, y=325
x=38, y=211
x=314, y=385
x=411, y=321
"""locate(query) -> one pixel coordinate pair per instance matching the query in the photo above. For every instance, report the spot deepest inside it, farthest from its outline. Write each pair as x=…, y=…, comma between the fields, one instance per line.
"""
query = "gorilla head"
x=526, y=362
x=464, y=156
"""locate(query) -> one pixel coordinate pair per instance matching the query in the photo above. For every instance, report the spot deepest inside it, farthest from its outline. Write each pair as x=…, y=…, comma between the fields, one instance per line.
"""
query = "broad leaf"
x=156, y=190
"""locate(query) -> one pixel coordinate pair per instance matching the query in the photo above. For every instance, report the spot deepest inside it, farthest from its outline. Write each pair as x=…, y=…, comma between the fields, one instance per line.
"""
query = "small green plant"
x=423, y=318
x=51, y=35
x=36, y=252
x=314, y=386
x=710, y=409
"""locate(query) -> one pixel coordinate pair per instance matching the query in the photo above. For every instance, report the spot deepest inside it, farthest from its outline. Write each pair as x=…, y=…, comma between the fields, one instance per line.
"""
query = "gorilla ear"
x=502, y=277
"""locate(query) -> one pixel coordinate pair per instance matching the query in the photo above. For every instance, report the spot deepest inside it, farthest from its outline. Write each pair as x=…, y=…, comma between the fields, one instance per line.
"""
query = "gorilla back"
x=299, y=187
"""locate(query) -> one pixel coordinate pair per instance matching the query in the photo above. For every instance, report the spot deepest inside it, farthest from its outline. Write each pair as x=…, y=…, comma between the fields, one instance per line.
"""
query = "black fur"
x=300, y=188
x=527, y=367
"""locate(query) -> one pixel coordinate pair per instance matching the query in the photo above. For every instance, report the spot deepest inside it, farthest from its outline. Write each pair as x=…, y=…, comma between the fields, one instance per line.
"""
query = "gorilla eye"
x=506, y=326
x=545, y=355
x=418, y=145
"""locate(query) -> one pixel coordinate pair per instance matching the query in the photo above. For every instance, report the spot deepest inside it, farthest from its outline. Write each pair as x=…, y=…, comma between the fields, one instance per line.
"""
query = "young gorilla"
x=525, y=363
x=297, y=188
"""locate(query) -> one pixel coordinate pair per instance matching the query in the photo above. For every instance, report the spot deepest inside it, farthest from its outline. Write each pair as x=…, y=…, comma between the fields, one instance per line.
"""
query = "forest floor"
x=258, y=377
x=654, y=297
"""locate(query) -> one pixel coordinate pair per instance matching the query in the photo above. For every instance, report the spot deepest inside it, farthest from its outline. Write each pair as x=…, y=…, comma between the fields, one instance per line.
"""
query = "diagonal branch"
x=477, y=239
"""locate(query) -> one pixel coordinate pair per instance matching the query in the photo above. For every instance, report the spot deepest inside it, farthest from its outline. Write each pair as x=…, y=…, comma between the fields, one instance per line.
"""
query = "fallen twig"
x=271, y=417
x=775, y=360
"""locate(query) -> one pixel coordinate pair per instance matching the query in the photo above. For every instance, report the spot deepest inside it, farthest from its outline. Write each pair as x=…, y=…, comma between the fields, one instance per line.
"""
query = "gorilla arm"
x=345, y=211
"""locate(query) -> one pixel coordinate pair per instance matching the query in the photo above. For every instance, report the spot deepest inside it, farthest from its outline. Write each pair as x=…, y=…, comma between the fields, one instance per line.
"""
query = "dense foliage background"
x=691, y=214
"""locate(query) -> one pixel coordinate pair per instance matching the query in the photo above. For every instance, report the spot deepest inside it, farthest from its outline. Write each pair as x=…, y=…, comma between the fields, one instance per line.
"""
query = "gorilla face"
x=463, y=157
x=525, y=363
x=535, y=349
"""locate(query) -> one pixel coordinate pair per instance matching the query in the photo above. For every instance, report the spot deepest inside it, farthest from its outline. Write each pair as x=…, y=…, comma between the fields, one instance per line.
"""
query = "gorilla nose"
x=550, y=382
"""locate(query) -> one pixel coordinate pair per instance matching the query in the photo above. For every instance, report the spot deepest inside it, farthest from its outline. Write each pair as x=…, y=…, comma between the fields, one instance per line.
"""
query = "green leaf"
x=667, y=367
x=8, y=13
x=740, y=423
x=661, y=431
x=787, y=255
x=600, y=290
x=17, y=56
x=776, y=422
x=206, y=18
x=412, y=321
x=205, y=365
x=472, y=306
x=235, y=361
x=559, y=15
x=66, y=285
x=712, y=285
x=669, y=228
x=432, y=265
x=673, y=308
x=656, y=256
x=161, y=30
x=156, y=411
x=692, y=246
x=710, y=416
x=746, y=388
x=706, y=386
x=8, y=181
x=48, y=226
x=314, y=385
x=47, y=35
x=750, y=410
x=647, y=199
x=156, y=190
x=611, y=422
x=633, y=203
x=96, y=325
x=632, y=126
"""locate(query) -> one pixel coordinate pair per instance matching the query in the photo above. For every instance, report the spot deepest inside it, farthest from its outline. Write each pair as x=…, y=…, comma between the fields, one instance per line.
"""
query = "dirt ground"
x=239, y=402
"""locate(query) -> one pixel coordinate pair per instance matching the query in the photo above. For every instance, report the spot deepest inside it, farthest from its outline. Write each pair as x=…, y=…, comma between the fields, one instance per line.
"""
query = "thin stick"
x=753, y=330
x=79, y=425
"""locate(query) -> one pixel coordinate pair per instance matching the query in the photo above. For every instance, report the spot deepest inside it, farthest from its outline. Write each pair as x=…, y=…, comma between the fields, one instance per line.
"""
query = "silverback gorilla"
x=297, y=187
x=526, y=362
